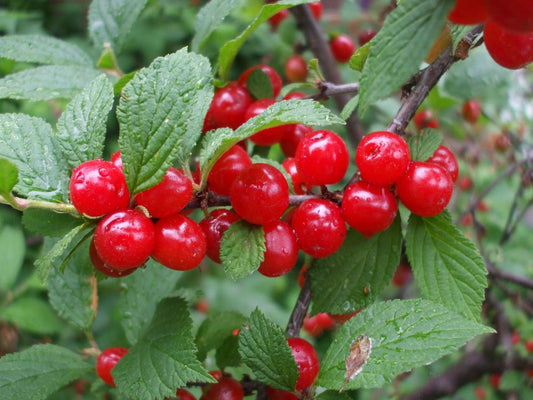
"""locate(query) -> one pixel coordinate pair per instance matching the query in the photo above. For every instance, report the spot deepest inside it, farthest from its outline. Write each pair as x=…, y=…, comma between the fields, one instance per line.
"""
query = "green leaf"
x=47, y=82
x=48, y=223
x=227, y=354
x=355, y=275
x=39, y=371
x=31, y=314
x=208, y=19
x=12, y=248
x=350, y=107
x=161, y=114
x=164, y=359
x=141, y=292
x=446, y=265
x=28, y=143
x=9, y=177
x=259, y=84
x=332, y=395
x=242, y=249
x=216, y=329
x=43, y=50
x=458, y=32
x=404, y=333
x=400, y=46
x=110, y=21
x=82, y=127
x=358, y=60
x=423, y=146
x=119, y=85
x=230, y=49
x=264, y=349
x=72, y=292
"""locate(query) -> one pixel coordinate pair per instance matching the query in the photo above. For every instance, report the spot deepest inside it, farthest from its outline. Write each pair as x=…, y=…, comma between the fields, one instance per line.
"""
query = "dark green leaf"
x=215, y=329
x=48, y=223
x=9, y=177
x=333, y=395
x=13, y=249
x=259, y=84
x=423, y=146
x=227, y=354
x=33, y=315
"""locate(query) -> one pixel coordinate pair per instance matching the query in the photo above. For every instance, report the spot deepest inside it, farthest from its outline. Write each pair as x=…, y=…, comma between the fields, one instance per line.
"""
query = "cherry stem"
x=23, y=204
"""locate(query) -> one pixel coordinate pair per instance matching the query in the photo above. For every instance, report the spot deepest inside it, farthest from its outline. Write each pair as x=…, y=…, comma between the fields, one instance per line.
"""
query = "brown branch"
x=299, y=311
x=328, y=89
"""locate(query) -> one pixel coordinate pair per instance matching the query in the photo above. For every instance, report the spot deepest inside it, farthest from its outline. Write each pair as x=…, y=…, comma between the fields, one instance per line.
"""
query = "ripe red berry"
x=502, y=142
x=277, y=394
x=316, y=9
x=494, y=380
x=169, y=196
x=402, y=275
x=98, y=187
x=260, y=194
x=515, y=338
x=465, y=183
x=529, y=345
x=281, y=249
x=274, y=77
x=179, y=243
x=366, y=36
x=296, y=69
x=124, y=239
x=514, y=15
x=99, y=264
x=322, y=158
x=289, y=164
x=468, y=12
x=301, y=276
x=294, y=133
x=318, y=323
x=509, y=49
x=368, y=208
x=319, y=227
x=183, y=394
x=214, y=226
x=227, y=169
x=307, y=361
x=228, y=106
x=342, y=318
x=446, y=159
x=425, y=188
x=426, y=119
x=106, y=361
x=225, y=389
x=269, y=136
x=342, y=47
x=276, y=19
x=480, y=393
x=116, y=159
x=471, y=111
x=202, y=306
x=382, y=157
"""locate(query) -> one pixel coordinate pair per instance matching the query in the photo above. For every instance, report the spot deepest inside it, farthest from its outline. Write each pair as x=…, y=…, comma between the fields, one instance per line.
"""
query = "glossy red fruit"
x=98, y=187
x=106, y=361
x=294, y=133
x=297, y=181
x=274, y=77
x=179, y=243
x=529, y=345
x=366, y=36
x=281, y=249
x=277, y=18
x=322, y=158
x=319, y=227
x=342, y=47
x=269, y=136
x=468, y=12
x=342, y=318
x=465, y=183
x=116, y=159
x=402, y=275
x=446, y=159
x=382, y=157
x=277, y=394
x=367, y=208
x=214, y=226
x=227, y=169
x=182, y=394
x=301, y=276
x=509, y=49
x=169, y=196
x=307, y=361
x=317, y=324
x=124, y=239
x=225, y=389
x=296, y=69
x=425, y=188
x=471, y=111
x=494, y=380
x=316, y=9
x=99, y=264
x=202, y=306
x=228, y=106
x=514, y=15
x=426, y=119
x=260, y=194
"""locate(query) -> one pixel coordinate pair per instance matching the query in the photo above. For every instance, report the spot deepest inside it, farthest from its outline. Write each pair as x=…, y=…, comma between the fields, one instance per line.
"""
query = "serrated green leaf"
x=164, y=359
x=161, y=114
x=227, y=354
x=263, y=348
x=242, y=249
x=39, y=371
x=216, y=329
x=43, y=50
x=110, y=21
x=28, y=142
x=405, y=38
x=33, y=315
x=47, y=82
x=404, y=333
x=458, y=32
x=355, y=275
x=447, y=266
x=230, y=49
x=12, y=248
x=72, y=291
x=9, y=177
x=82, y=126
x=48, y=223
x=141, y=293
x=259, y=84
x=350, y=107
x=424, y=145
x=358, y=60
x=119, y=85
x=209, y=18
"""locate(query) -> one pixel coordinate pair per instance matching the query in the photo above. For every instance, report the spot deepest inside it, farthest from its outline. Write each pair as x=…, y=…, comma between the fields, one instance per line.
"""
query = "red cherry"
x=274, y=77
x=116, y=159
x=277, y=394
x=98, y=187
x=342, y=318
x=514, y=15
x=179, y=243
x=402, y=275
x=446, y=159
x=425, y=189
x=225, y=389
x=99, y=264
x=228, y=106
x=296, y=69
x=307, y=361
x=471, y=111
x=301, y=276
x=227, y=169
x=468, y=12
x=281, y=249
x=295, y=96
x=294, y=133
x=382, y=157
x=366, y=36
x=480, y=393
x=169, y=196
x=106, y=361
x=260, y=194
x=316, y=9
x=276, y=19
x=494, y=380
x=183, y=394
x=319, y=227
x=502, y=143
x=367, y=208
x=317, y=324
x=202, y=306
x=529, y=345
x=426, y=119
x=342, y=47
x=322, y=158
x=515, y=338
x=269, y=136
x=124, y=239
x=297, y=181
x=214, y=227
x=465, y=183
x=509, y=49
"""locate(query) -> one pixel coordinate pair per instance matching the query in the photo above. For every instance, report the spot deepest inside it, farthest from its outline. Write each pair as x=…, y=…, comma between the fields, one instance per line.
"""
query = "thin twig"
x=299, y=311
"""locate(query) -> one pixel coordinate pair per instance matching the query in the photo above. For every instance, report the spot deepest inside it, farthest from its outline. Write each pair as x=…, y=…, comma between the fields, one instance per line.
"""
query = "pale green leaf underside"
x=32, y=315
x=13, y=249
x=405, y=334
x=209, y=18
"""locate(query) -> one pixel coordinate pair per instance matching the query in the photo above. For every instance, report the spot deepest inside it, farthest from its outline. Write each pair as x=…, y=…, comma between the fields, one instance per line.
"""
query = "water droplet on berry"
x=103, y=171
